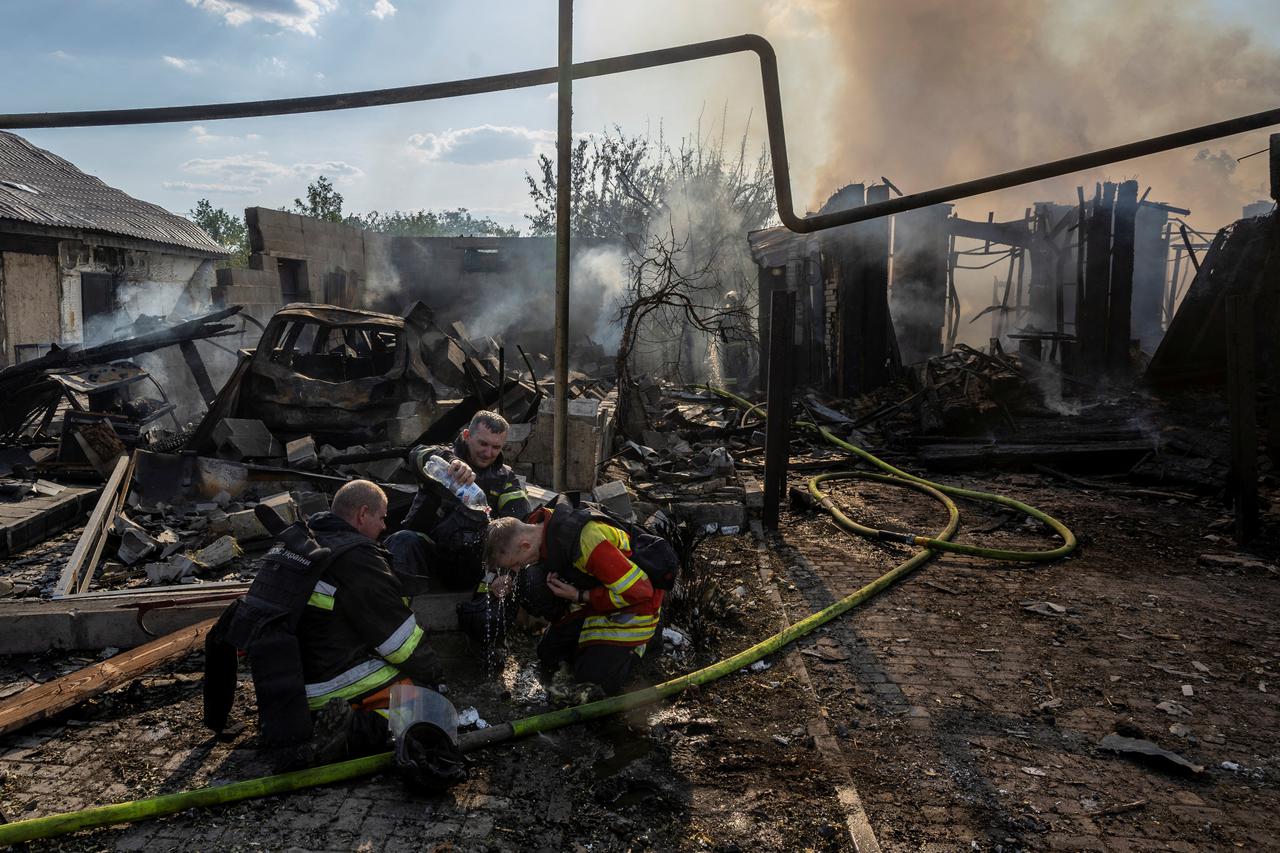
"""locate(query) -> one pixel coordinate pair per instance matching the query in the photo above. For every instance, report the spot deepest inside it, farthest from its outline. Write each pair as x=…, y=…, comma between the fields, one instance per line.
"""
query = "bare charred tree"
x=684, y=209
x=665, y=296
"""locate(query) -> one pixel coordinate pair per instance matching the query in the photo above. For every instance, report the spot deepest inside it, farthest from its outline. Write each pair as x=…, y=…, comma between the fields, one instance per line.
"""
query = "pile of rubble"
x=687, y=463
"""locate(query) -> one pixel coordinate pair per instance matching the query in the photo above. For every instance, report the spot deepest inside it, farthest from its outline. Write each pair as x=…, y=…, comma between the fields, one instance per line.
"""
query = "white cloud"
x=187, y=65
x=256, y=170
x=382, y=9
x=224, y=189
x=243, y=169
x=201, y=136
x=62, y=55
x=485, y=143
x=297, y=15
x=336, y=169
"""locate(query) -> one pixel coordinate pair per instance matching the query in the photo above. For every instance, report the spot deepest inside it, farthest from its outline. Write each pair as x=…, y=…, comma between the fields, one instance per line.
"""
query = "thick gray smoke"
x=932, y=92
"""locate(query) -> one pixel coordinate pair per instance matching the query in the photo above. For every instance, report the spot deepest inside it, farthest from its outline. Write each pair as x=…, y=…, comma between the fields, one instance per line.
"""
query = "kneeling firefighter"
x=599, y=579
x=327, y=631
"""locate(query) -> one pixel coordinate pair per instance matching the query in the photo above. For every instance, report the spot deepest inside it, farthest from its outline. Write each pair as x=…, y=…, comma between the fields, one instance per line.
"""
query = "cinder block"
x=309, y=503
x=242, y=438
x=720, y=514
x=754, y=492
x=301, y=453
x=614, y=496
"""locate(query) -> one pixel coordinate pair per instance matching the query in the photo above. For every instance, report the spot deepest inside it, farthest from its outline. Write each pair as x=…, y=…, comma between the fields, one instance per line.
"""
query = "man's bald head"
x=363, y=505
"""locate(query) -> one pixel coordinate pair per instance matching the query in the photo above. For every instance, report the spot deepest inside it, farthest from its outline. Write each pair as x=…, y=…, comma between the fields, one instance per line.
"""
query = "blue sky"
x=473, y=152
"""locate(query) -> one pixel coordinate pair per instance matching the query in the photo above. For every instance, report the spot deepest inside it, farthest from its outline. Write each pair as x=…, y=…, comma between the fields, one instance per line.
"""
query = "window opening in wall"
x=98, y=306
x=292, y=285
x=483, y=260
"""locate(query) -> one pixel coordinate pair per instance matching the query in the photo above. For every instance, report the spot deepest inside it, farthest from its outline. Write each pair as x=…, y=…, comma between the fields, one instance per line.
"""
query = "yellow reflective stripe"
x=401, y=654
x=622, y=620
x=319, y=599
x=507, y=498
x=593, y=534
x=619, y=627
x=319, y=694
x=628, y=580
x=616, y=636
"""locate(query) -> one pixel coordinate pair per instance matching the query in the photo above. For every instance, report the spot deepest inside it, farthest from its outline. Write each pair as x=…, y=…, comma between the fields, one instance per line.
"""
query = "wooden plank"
x=27, y=523
x=121, y=493
x=94, y=622
x=90, y=540
x=45, y=700
x=1109, y=455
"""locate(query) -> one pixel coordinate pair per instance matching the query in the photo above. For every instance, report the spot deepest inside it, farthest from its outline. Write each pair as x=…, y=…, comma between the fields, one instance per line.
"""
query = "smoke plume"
x=931, y=92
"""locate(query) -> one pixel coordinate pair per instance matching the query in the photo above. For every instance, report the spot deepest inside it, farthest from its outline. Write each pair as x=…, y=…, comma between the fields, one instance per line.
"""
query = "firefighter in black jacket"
x=358, y=635
x=442, y=538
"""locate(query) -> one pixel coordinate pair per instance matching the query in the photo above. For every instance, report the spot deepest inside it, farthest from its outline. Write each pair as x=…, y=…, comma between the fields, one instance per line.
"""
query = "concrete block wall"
x=590, y=442
x=332, y=252
x=257, y=290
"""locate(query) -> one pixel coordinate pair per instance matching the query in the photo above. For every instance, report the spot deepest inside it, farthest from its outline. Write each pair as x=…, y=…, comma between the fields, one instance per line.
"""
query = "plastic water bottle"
x=471, y=494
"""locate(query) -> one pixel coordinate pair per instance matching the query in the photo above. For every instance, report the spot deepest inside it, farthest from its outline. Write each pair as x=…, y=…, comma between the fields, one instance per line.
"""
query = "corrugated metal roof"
x=41, y=188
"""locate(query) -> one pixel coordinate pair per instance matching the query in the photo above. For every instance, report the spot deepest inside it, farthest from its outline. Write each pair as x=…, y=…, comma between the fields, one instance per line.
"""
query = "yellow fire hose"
x=128, y=812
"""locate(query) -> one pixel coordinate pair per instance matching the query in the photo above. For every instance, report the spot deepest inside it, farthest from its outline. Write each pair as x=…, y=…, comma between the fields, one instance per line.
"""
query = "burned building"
x=79, y=258
x=494, y=285
x=1077, y=284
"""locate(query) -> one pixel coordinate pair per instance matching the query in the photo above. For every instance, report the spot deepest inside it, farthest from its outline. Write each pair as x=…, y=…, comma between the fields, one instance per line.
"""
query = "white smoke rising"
x=598, y=277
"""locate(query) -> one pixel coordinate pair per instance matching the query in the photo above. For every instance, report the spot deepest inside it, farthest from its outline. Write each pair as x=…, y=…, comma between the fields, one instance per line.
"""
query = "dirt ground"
x=966, y=705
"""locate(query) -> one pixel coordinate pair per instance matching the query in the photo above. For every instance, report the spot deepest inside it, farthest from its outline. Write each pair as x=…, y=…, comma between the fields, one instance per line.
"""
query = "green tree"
x=323, y=201
x=431, y=223
x=226, y=229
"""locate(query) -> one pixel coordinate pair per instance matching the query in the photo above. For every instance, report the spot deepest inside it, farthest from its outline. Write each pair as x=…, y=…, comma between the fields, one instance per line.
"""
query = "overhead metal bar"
x=653, y=59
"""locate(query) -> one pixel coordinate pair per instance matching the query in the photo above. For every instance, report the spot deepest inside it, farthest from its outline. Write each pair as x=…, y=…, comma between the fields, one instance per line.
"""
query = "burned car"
x=343, y=375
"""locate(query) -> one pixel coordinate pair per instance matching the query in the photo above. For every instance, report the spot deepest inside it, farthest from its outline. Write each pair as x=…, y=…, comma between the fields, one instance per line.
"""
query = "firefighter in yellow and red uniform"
x=604, y=608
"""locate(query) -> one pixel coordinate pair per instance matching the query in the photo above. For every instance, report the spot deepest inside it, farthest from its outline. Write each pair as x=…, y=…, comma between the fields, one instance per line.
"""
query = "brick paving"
x=969, y=722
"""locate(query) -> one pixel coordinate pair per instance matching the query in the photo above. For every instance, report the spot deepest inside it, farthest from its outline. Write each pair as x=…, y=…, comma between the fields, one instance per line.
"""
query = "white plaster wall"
x=152, y=283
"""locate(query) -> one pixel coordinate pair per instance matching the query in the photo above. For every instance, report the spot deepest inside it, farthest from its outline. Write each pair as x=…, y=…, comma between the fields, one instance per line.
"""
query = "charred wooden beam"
x=1120, y=294
x=44, y=700
x=205, y=326
x=778, y=427
x=1091, y=308
x=198, y=371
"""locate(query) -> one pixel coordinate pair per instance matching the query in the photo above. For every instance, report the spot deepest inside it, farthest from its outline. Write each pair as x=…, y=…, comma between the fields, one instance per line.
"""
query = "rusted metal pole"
x=777, y=430
x=564, y=157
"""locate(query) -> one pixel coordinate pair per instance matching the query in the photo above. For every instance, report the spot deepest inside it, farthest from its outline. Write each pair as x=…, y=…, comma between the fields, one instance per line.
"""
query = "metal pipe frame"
x=564, y=160
x=654, y=59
